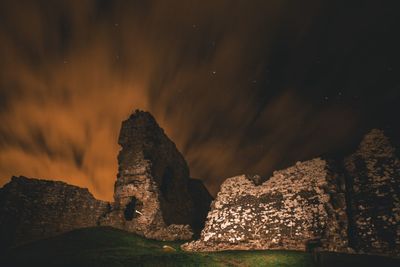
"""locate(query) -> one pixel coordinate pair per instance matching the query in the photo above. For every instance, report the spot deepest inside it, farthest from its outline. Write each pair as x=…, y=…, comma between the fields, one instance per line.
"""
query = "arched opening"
x=133, y=209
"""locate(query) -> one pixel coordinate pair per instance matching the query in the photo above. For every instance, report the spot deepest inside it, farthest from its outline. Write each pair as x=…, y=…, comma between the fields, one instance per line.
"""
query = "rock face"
x=152, y=188
x=296, y=209
x=33, y=209
x=373, y=175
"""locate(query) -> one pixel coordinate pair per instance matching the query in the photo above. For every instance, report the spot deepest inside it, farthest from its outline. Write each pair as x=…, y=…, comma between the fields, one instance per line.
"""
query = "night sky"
x=239, y=86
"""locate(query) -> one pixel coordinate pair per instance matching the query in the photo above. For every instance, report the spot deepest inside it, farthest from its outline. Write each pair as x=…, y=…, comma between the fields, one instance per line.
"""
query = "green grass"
x=105, y=246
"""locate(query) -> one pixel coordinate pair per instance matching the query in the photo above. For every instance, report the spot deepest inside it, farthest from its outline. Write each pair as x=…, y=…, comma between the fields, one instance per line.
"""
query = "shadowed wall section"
x=32, y=209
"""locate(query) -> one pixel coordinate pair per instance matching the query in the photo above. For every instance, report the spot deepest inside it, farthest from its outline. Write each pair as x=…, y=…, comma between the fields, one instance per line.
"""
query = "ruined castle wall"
x=33, y=209
x=154, y=196
x=296, y=208
x=152, y=183
x=373, y=174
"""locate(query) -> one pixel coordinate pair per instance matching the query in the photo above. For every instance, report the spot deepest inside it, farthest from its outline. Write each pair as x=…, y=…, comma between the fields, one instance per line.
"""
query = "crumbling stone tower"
x=152, y=188
x=153, y=194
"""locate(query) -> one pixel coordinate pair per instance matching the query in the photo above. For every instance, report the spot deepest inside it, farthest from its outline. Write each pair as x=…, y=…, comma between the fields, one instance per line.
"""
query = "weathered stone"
x=154, y=195
x=152, y=187
x=167, y=248
x=308, y=206
x=292, y=210
x=373, y=175
x=256, y=179
x=32, y=209
x=312, y=205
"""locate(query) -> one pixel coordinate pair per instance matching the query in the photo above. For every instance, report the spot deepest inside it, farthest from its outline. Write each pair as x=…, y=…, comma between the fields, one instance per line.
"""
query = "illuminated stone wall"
x=353, y=207
x=296, y=209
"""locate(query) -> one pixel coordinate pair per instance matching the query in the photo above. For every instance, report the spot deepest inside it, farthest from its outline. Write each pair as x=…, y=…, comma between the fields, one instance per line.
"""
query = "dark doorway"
x=129, y=212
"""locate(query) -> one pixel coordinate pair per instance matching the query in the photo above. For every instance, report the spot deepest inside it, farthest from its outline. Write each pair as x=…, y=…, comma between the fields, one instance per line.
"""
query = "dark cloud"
x=241, y=87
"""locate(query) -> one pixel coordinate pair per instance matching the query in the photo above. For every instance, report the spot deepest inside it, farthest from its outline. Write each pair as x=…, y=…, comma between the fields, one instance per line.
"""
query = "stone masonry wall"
x=151, y=192
x=297, y=208
x=373, y=174
x=32, y=209
x=154, y=195
x=308, y=206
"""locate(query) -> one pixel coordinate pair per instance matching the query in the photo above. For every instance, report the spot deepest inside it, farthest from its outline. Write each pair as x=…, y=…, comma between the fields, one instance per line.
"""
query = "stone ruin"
x=373, y=182
x=154, y=195
x=296, y=208
x=32, y=209
x=312, y=205
x=350, y=206
x=153, y=191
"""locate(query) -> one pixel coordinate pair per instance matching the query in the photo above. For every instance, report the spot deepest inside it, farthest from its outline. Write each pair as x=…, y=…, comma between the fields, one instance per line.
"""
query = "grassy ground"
x=105, y=246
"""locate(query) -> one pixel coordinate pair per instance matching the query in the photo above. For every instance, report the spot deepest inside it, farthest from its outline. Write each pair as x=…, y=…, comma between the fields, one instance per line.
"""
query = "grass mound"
x=105, y=246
